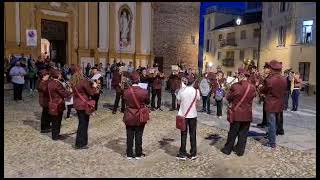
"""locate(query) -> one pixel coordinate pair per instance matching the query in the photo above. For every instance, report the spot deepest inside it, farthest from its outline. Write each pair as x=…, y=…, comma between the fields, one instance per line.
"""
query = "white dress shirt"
x=186, y=96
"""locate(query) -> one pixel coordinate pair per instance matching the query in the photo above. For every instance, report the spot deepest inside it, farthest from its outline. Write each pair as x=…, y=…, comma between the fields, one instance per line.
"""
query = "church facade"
x=80, y=32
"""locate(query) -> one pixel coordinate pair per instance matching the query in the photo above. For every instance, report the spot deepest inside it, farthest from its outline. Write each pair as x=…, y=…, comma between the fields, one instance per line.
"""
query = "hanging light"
x=238, y=21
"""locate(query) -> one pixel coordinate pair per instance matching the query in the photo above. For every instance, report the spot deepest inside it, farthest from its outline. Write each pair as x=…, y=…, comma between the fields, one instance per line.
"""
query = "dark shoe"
x=160, y=109
x=280, y=133
x=114, y=112
x=141, y=156
x=81, y=147
x=181, y=157
x=225, y=151
x=152, y=109
x=209, y=112
x=192, y=157
x=58, y=138
x=172, y=109
x=45, y=131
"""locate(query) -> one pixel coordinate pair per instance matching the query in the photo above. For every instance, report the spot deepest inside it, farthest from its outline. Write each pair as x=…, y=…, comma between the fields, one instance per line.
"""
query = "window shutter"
x=298, y=31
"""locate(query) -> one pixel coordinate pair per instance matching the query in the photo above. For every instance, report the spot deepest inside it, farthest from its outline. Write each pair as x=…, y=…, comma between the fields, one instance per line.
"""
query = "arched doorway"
x=55, y=32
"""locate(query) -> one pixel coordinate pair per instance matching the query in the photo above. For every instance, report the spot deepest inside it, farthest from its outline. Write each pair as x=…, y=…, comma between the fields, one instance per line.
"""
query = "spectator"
x=205, y=90
x=88, y=68
x=130, y=67
x=17, y=74
x=32, y=75
x=219, y=93
x=108, y=76
x=296, y=91
x=186, y=96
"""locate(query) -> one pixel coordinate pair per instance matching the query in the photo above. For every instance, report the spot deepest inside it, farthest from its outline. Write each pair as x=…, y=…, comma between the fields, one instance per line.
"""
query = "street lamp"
x=238, y=21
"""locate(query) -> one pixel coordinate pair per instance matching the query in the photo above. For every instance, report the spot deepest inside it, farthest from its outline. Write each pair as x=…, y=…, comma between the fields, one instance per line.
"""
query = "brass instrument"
x=92, y=81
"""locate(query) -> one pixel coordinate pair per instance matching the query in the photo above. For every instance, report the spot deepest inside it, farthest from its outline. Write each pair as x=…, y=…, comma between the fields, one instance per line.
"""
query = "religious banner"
x=31, y=37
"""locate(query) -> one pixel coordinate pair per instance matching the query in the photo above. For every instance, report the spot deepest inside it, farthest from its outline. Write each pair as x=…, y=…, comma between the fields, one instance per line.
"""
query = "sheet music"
x=143, y=85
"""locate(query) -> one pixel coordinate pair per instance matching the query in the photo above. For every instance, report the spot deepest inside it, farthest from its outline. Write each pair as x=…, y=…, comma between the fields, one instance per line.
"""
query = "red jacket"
x=131, y=115
x=85, y=90
x=43, y=93
x=274, y=89
x=244, y=111
x=58, y=93
x=116, y=80
x=175, y=82
x=157, y=82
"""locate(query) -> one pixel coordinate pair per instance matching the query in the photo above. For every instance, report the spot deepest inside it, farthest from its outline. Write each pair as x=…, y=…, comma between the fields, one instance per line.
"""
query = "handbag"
x=143, y=111
x=230, y=111
x=181, y=120
x=90, y=105
x=52, y=106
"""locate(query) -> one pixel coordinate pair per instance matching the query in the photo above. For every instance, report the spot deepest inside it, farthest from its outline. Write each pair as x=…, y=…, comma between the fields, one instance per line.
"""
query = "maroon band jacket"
x=131, y=115
x=58, y=93
x=237, y=91
x=43, y=93
x=85, y=90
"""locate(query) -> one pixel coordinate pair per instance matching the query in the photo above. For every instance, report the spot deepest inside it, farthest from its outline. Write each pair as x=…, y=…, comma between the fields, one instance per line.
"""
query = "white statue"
x=124, y=26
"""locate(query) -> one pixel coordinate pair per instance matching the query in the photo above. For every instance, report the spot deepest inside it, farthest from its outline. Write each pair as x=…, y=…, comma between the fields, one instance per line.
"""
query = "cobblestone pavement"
x=27, y=153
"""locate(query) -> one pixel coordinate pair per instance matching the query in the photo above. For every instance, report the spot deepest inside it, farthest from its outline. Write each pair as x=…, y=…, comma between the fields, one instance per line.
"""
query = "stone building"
x=81, y=32
x=232, y=43
x=289, y=35
x=175, y=33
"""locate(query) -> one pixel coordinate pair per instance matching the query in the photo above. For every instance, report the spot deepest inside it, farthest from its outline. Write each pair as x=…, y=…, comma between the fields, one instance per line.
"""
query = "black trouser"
x=134, y=132
x=206, y=103
x=156, y=92
x=219, y=108
x=56, y=125
x=116, y=102
x=264, y=117
x=82, y=132
x=192, y=126
x=279, y=121
x=96, y=98
x=240, y=130
x=69, y=107
x=45, y=119
x=32, y=82
x=174, y=98
x=17, y=91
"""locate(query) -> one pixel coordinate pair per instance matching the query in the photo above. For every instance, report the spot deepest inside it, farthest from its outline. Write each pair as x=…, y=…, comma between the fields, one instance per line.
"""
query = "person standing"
x=175, y=83
x=118, y=86
x=88, y=68
x=96, y=77
x=156, y=90
x=205, y=90
x=274, y=89
x=288, y=76
x=187, y=97
x=17, y=74
x=84, y=88
x=134, y=96
x=108, y=76
x=57, y=94
x=240, y=96
x=266, y=73
x=296, y=91
x=219, y=93
x=32, y=75
x=43, y=101
x=130, y=67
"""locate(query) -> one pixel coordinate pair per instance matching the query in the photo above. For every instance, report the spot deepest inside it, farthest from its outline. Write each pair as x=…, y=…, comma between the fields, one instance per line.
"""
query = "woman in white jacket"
x=205, y=90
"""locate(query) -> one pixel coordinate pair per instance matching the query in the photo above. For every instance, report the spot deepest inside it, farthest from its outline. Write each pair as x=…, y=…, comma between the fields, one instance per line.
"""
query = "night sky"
x=203, y=8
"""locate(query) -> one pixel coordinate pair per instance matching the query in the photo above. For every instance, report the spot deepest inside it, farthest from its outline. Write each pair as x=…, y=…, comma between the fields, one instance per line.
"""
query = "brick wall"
x=173, y=26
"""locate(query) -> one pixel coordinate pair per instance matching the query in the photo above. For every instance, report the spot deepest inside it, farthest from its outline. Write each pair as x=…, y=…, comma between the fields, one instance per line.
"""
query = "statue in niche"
x=125, y=27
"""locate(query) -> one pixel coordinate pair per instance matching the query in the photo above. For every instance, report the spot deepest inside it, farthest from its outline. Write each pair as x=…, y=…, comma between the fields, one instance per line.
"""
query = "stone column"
x=86, y=21
x=17, y=23
x=103, y=26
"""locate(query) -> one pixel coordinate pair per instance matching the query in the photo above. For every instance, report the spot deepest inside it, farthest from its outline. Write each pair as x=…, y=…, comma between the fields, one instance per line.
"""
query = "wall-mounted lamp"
x=238, y=21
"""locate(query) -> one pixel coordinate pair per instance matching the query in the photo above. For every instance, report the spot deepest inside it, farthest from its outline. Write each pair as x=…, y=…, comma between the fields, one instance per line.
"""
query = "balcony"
x=228, y=42
x=228, y=62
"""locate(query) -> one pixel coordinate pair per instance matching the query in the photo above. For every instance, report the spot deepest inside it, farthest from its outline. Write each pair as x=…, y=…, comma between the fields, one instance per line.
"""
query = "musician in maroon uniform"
x=243, y=114
x=274, y=89
x=156, y=89
x=116, y=84
x=43, y=100
x=262, y=96
x=131, y=116
x=58, y=93
x=84, y=88
x=175, y=84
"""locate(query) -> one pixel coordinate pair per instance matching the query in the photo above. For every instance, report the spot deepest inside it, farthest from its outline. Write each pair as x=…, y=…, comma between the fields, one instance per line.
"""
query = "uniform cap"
x=275, y=65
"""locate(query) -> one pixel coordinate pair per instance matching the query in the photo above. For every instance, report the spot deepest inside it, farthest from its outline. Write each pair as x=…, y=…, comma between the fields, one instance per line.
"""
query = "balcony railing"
x=228, y=62
x=228, y=42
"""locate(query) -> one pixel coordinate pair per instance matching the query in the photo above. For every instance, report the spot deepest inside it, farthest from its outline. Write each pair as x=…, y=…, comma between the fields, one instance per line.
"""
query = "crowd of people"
x=80, y=88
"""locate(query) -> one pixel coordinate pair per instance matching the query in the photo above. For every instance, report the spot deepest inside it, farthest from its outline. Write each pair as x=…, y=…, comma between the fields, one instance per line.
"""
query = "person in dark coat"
x=117, y=85
x=131, y=116
x=43, y=100
x=58, y=93
x=86, y=89
x=262, y=95
x=243, y=115
x=274, y=89
x=156, y=90
x=175, y=84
